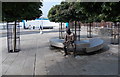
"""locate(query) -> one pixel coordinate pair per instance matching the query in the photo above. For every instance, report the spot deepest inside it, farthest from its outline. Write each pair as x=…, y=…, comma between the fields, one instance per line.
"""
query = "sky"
x=47, y=5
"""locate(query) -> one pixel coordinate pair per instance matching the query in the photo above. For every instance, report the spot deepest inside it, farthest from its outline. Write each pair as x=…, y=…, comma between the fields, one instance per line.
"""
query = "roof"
x=41, y=19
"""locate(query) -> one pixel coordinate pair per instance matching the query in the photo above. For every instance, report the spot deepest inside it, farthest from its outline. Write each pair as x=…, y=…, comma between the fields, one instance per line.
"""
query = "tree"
x=59, y=13
x=13, y=11
x=53, y=14
x=111, y=11
x=17, y=11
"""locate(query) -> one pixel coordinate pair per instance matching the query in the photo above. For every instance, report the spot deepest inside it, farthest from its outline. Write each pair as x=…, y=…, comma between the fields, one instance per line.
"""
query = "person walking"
x=40, y=28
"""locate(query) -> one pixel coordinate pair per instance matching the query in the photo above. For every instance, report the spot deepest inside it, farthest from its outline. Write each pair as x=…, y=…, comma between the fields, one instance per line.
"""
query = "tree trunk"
x=8, y=38
x=61, y=31
x=90, y=31
x=119, y=33
x=79, y=29
x=14, y=31
x=75, y=31
x=24, y=26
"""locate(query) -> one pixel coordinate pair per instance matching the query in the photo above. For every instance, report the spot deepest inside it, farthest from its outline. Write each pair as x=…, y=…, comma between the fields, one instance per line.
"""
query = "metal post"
x=72, y=24
x=18, y=37
x=14, y=37
x=59, y=31
x=75, y=39
x=8, y=38
x=113, y=35
x=89, y=30
x=119, y=33
x=89, y=35
x=79, y=29
x=75, y=30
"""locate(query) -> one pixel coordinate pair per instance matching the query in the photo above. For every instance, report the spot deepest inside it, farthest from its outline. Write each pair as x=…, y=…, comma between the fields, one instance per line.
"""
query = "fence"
x=13, y=37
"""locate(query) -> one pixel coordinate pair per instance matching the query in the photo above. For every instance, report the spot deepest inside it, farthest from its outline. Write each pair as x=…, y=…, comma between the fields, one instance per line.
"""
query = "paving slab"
x=38, y=58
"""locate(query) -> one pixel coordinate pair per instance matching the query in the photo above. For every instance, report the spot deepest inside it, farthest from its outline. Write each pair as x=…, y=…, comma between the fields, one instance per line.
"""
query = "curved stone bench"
x=95, y=44
x=90, y=45
x=56, y=42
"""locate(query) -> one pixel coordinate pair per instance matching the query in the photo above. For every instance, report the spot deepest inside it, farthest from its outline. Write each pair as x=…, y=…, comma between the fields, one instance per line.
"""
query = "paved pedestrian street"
x=38, y=58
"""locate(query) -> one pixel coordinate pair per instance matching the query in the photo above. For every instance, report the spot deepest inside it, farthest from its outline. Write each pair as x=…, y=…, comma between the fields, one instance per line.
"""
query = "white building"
x=33, y=23
x=38, y=23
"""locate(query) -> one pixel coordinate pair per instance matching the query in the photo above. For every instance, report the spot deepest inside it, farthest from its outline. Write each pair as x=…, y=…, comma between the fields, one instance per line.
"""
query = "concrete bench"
x=56, y=42
x=91, y=45
x=95, y=44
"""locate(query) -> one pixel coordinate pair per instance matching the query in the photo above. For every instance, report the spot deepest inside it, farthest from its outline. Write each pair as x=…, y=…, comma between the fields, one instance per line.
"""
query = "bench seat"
x=95, y=44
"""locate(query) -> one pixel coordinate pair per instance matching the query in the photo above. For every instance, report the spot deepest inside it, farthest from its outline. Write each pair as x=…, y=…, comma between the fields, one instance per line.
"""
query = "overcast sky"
x=47, y=5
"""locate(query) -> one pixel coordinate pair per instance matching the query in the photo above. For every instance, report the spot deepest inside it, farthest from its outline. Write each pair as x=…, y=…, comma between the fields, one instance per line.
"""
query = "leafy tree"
x=87, y=11
x=92, y=10
x=59, y=13
x=17, y=11
x=53, y=14
x=13, y=11
x=111, y=11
